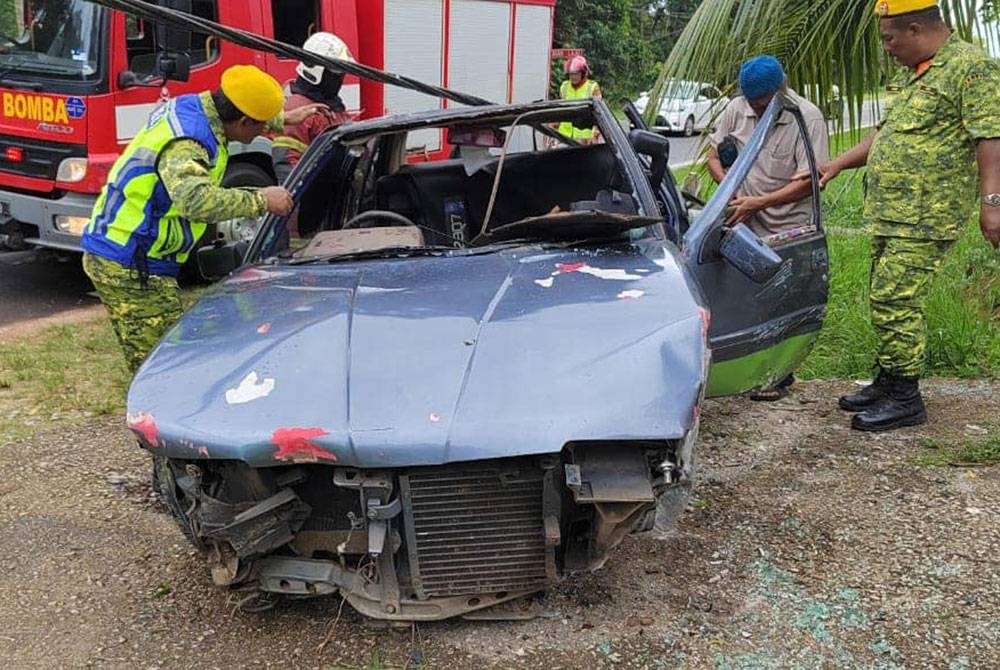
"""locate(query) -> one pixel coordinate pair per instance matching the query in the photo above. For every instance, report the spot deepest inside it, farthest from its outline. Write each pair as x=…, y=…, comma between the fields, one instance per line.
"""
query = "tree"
x=820, y=43
x=623, y=39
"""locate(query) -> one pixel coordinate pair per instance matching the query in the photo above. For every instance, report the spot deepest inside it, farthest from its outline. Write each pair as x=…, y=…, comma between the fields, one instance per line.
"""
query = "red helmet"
x=577, y=64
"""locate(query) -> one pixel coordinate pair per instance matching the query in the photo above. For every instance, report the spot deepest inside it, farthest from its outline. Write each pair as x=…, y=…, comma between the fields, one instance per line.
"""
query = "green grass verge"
x=62, y=374
x=963, y=308
x=970, y=452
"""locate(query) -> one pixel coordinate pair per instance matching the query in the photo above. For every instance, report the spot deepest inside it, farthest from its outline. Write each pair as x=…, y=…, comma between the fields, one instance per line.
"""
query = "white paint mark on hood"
x=250, y=389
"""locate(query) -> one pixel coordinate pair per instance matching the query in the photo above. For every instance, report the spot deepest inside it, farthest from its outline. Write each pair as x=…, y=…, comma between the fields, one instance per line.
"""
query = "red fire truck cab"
x=77, y=81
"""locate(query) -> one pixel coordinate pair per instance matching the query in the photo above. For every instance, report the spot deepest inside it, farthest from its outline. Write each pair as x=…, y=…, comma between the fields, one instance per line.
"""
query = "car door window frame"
x=702, y=238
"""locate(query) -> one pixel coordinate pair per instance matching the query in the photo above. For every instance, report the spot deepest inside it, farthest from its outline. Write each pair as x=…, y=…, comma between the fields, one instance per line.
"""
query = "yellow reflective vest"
x=135, y=222
x=568, y=92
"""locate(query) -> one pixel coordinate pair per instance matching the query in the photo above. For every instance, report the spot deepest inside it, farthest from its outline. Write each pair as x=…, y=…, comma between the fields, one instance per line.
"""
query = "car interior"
x=449, y=200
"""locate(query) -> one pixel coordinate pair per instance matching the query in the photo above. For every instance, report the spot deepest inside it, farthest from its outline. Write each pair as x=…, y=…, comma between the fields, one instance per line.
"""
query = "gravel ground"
x=807, y=545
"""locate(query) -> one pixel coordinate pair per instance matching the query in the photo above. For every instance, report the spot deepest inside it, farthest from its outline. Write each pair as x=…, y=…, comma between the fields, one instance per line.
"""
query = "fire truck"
x=77, y=82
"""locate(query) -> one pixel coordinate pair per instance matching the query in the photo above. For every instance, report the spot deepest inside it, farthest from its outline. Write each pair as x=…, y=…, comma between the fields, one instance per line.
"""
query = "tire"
x=166, y=487
x=689, y=127
x=669, y=508
x=661, y=120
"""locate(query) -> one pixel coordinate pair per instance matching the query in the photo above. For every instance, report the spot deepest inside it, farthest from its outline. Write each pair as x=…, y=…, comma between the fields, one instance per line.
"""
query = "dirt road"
x=807, y=546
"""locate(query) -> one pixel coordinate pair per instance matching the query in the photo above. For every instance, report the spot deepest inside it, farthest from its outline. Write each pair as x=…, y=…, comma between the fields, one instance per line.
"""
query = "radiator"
x=474, y=530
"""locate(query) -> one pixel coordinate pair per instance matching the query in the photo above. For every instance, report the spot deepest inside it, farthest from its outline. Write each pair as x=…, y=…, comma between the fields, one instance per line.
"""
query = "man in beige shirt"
x=776, y=193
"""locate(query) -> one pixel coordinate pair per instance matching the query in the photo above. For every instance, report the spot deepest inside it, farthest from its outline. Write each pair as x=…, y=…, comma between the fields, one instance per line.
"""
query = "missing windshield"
x=511, y=177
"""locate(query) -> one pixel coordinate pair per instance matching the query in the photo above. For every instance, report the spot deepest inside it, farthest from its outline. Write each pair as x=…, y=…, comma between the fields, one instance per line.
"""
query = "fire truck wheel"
x=237, y=174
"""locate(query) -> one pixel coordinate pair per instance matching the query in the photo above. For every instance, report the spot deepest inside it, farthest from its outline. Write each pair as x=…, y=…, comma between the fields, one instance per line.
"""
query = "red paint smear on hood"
x=144, y=425
x=564, y=268
x=294, y=445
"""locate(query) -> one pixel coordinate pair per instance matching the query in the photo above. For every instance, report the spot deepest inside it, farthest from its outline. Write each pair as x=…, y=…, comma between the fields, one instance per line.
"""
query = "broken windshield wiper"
x=387, y=252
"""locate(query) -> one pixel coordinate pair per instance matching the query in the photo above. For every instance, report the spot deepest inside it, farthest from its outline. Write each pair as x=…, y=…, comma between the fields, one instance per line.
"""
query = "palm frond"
x=821, y=44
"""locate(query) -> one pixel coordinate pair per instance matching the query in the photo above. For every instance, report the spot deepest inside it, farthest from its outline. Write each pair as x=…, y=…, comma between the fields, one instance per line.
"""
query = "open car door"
x=767, y=298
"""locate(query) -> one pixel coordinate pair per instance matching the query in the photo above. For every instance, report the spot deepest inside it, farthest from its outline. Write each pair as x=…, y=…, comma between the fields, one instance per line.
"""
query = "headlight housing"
x=72, y=170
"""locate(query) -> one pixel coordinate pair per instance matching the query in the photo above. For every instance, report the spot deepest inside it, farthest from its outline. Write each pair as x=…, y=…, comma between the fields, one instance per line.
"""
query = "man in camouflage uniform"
x=942, y=118
x=163, y=191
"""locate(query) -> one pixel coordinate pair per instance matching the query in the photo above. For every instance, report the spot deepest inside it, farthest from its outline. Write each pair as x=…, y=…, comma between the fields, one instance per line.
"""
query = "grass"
x=969, y=452
x=63, y=374
x=963, y=307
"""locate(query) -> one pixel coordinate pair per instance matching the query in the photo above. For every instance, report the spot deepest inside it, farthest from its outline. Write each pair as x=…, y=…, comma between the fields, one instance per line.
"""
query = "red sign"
x=565, y=54
x=39, y=115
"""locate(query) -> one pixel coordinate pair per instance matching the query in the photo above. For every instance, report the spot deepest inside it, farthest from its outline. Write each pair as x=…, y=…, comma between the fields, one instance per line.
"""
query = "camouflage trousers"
x=139, y=316
x=902, y=270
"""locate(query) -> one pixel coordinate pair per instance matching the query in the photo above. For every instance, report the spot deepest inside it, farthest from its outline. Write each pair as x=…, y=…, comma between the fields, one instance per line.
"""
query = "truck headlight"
x=72, y=170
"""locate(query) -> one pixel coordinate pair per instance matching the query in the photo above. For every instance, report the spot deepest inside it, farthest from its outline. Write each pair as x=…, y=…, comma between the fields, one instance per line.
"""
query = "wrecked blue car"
x=442, y=385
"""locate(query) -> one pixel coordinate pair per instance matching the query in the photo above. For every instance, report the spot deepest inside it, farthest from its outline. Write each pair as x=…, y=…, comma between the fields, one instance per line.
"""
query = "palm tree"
x=821, y=44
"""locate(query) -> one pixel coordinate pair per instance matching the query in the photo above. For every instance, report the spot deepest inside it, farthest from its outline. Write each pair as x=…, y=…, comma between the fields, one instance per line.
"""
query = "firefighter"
x=578, y=86
x=161, y=193
x=313, y=84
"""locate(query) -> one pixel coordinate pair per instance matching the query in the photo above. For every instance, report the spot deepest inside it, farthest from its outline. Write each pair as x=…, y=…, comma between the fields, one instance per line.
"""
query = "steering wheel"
x=378, y=215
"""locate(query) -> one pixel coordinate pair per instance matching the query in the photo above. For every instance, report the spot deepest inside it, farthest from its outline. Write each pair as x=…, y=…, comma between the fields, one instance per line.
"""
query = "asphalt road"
x=35, y=284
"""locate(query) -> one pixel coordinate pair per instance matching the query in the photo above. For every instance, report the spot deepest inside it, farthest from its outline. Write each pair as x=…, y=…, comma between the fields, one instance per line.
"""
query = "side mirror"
x=748, y=254
x=217, y=261
x=657, y=148
x=173, y=61
x=174, y=66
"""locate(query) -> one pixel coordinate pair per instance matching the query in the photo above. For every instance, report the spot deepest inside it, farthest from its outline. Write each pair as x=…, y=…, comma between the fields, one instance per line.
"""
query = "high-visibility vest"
x=134, y=215
x=568, y=92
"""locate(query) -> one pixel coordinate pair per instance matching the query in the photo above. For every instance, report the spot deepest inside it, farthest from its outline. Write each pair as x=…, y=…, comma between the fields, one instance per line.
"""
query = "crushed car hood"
x=431, y=360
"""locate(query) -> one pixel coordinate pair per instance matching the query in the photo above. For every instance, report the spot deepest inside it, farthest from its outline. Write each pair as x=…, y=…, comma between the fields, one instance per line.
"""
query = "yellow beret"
x=897, y=7
x=254, y=92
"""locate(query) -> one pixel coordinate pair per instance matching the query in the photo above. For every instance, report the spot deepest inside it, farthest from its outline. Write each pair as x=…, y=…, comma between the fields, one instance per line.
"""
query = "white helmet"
x=322, y=44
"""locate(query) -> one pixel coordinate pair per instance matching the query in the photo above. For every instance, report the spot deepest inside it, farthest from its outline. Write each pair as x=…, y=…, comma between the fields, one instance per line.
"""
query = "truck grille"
x=41, y=159
x=476, y=530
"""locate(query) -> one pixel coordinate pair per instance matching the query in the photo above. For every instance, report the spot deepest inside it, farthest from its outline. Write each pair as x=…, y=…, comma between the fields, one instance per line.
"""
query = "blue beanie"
x=760, y=76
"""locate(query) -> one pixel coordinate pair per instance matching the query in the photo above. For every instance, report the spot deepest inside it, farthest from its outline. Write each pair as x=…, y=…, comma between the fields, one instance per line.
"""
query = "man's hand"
x=989, y=223
x=300, y=114
x=745, y=206
x=827, y=172
x=279, y=201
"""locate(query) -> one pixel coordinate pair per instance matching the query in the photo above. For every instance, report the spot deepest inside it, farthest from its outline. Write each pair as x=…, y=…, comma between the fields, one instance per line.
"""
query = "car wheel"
x=689, y=127
x=165, y=486
x=661, y=120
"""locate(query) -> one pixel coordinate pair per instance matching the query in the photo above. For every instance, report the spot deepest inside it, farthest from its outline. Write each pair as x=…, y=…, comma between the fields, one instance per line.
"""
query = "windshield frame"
x=20, y=62
x=352, y=154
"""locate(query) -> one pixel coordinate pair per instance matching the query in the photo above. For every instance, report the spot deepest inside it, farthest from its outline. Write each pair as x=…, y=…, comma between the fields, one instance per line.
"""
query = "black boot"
x=867, y=397
x=901, y=406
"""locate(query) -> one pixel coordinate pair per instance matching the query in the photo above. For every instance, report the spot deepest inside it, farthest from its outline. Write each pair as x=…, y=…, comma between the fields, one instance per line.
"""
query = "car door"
x=761, y=329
